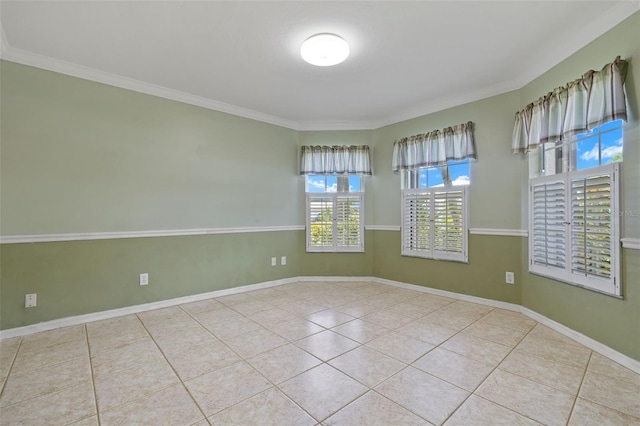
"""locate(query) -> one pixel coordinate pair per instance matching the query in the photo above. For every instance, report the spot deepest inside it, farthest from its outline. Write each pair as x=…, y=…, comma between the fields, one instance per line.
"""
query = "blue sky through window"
x=458, y=172
x=590, y=153
x=329, y=183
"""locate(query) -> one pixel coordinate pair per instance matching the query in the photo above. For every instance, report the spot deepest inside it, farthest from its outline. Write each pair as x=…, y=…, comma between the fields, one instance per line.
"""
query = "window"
x=434, y=217
x=573, y=222
x=335, y=220
x=600, y=146
x=455, y=173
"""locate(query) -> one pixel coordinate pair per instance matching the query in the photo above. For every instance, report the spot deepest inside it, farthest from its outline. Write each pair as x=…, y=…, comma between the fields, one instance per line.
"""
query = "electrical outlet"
x=274, y=261
x=283, y=260
x=144, y=279
x=509, y=278
x=30, y=300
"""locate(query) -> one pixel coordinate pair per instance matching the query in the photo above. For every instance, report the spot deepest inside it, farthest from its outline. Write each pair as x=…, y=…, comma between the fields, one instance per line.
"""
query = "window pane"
x=434, y=177
x=332, y=183
x=588, y=152
x=316, y=183
x=355, y=184
x=422, y=180
x=460, y=174
x=552, y=162
x=611, y=125
x=611, y=143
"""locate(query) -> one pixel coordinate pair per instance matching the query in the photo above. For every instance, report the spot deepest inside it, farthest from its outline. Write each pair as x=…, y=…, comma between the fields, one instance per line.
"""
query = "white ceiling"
x=407, y=58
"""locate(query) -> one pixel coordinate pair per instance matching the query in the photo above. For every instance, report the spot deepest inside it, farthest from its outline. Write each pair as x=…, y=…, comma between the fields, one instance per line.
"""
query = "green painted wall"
x=78, y=156
x=611, y=321
x=494, y=195
x=483, y=276
x=79, y=277
x=97, y=158
x=606, y=319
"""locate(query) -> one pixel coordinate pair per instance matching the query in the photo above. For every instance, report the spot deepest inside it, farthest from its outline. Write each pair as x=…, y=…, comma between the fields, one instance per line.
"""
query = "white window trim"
x=335, y=248
x=432, y=253
x=611, y=287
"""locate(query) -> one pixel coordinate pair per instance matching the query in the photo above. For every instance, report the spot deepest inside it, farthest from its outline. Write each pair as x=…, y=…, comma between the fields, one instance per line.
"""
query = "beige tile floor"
x=309, y=353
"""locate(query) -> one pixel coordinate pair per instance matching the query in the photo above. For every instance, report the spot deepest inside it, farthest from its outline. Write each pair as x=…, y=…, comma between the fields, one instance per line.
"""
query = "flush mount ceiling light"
x=324, y=50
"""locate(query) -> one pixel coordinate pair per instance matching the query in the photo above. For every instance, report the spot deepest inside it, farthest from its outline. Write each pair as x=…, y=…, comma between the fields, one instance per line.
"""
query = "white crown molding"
x=631, y=243
x=45, y=238
x=316, y=126
x=499, y=232
x=606, y=21
x=592, y=344
x=56, y=65
x=382, y=228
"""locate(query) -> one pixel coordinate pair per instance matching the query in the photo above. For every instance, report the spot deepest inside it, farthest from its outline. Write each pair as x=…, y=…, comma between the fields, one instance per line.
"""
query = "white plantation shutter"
x=593, y=240
x=548, y=234
x=574, y=228
x=335, y=222
x=416, y=219
x=348, y=221
x=448, y=224
x=434, y=223
x=320, y=220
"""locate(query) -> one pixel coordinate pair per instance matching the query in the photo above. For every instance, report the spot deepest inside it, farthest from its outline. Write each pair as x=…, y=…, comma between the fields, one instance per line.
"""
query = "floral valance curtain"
x=329, y=160
x=434, y=148
x=593, y=99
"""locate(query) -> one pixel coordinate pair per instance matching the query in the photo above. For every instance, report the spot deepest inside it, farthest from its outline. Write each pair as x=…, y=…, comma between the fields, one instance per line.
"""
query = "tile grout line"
x=322, y=361
x=492, y=371
x=438, y=346
x=407, y=365
x=172, y=369
x=584, y=376
x=13, y=361
x=242, y=359
x=93, y=379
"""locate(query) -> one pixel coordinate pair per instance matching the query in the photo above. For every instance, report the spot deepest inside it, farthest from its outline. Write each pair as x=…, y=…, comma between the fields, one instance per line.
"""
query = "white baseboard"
x=452, y=295
x=112, y=313
x=602, y=349
x=594, y=345
x=590, y=343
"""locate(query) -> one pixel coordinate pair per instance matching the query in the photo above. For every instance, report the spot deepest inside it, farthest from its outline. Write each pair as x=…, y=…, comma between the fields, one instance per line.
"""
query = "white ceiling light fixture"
x=324, y=50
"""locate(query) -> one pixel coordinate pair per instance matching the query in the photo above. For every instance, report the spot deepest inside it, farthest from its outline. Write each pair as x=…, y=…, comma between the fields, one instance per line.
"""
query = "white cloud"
x=608, y=152
x=461, y=180
x=611, y=151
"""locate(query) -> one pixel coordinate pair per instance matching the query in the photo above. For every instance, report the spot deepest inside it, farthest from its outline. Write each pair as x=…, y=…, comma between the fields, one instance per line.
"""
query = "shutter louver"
x=417, y=223
x=549, y=231
x=591, y=226
x=448, y=222
x=348, y=220
x=320, y=214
